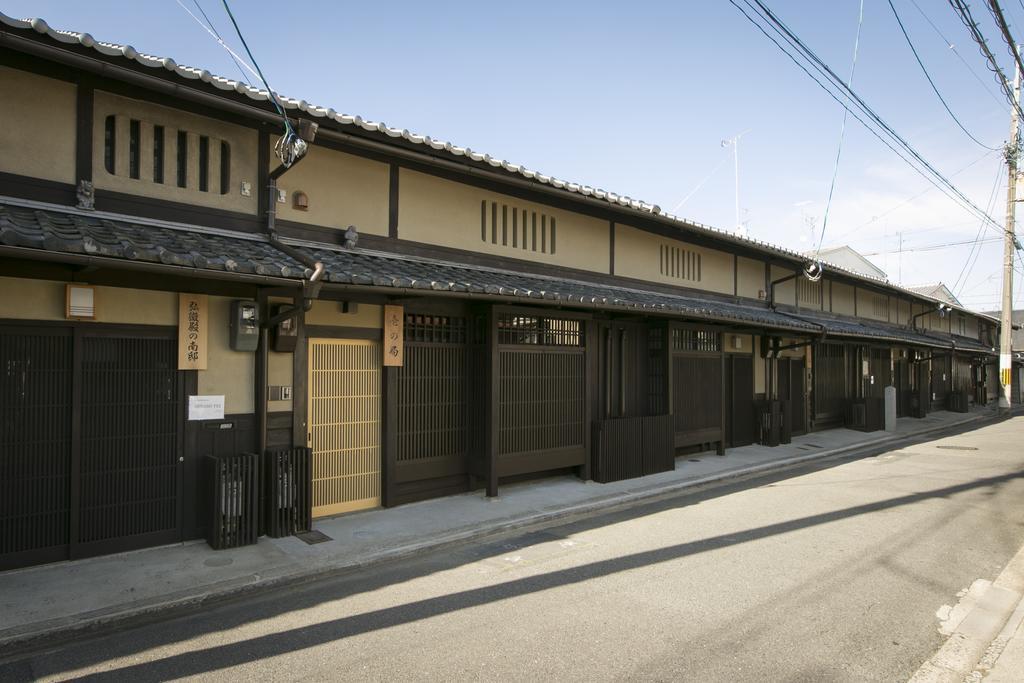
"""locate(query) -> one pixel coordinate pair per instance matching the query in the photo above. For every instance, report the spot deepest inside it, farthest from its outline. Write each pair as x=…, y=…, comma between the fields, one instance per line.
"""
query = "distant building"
x=848, y=258
x=938, y=291
x=1017, y=336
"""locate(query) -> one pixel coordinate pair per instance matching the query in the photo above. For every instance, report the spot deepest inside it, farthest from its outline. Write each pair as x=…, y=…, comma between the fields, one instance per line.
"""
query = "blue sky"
x=637, y=97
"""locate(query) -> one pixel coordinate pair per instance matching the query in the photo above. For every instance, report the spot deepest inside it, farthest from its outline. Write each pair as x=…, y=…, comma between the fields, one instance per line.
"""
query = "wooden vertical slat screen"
x=433, y=403
x=344, y=423
x=696, y=392
x=129, y=456
x=830, y=392
x=35, y=445
x=542, y=400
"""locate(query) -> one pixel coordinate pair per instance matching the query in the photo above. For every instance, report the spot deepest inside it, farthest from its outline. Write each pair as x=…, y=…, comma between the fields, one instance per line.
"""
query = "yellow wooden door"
x=344, y=424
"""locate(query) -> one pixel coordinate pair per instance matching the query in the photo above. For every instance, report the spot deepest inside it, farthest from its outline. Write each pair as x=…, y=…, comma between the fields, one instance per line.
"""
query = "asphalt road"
x=834, y=572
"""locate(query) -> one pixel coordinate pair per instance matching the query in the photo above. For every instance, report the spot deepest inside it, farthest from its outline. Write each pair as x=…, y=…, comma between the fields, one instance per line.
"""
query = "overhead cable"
x=931, y=82
x=842, y=133
x=884, y=132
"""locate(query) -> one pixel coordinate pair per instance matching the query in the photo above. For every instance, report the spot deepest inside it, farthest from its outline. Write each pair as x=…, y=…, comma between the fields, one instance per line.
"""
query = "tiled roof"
x=862, y=328
x=97, y=235
x=69, y=231
x=348, y=120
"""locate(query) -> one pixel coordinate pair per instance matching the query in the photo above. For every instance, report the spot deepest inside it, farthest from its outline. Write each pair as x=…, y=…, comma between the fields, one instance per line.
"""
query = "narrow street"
x=833, y=572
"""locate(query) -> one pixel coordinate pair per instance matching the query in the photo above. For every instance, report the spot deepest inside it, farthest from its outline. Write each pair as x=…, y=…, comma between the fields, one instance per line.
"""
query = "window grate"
x=679, y=263
x=696, y=340
x=517, y=228
x=435, y=329
x=538, y=330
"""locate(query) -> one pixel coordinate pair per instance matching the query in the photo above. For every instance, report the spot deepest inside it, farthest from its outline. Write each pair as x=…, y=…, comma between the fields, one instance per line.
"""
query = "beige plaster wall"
x=38, y=135
x=745, y=343
x=638, y=255
x=343, y=190
x=866, y=305
x=971, y=327
x=842, y=298
x=45, y=300
x=242, y=142
x=749, y=277
x=437, y=211
x=228, y=372
x=329, y=313
x=785, y=292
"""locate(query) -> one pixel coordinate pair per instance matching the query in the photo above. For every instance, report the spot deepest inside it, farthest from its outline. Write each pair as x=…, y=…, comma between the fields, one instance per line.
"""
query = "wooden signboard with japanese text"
x=394, y=335
x=193, y=319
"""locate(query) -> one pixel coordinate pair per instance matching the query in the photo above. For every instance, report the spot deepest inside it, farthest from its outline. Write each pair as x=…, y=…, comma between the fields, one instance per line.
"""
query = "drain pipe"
x=310, y=287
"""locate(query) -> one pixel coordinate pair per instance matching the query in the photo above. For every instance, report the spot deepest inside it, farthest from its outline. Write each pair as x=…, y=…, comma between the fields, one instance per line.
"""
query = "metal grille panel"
x=542, y=400
x=344, y=423
x=129, y=449
x=35, y=441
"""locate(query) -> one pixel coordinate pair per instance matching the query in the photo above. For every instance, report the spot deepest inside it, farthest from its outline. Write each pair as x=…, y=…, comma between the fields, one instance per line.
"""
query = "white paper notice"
x=206, y=407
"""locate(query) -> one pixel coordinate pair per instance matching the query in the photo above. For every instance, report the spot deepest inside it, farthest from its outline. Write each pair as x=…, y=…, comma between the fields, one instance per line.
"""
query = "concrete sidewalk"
x=39, y=604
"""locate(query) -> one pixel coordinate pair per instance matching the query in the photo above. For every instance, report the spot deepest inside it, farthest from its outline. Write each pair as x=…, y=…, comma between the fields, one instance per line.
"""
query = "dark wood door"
x=798, y=395
x=740, y=400
x=91, y=422
x=902, y=383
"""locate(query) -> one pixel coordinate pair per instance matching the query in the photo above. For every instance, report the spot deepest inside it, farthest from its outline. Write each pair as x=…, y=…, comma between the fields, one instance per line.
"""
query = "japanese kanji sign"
x=193, y=318
x=394, y=335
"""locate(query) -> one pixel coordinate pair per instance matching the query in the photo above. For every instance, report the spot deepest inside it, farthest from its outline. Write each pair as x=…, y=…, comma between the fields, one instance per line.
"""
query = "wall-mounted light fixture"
x=300, y=202
x=80, y=302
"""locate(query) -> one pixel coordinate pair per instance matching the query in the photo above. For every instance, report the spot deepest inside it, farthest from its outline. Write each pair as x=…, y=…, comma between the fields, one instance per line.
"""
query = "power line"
x=842, y=132
x=211, y=29
x=931, y=82
x=1004, y=29
x=932, y=247
x=975, y=250
x=959, y=56
x=967, y=19
x=919, y=163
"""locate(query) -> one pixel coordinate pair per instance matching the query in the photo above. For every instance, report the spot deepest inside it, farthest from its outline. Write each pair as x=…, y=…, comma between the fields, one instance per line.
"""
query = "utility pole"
x=1006, y=320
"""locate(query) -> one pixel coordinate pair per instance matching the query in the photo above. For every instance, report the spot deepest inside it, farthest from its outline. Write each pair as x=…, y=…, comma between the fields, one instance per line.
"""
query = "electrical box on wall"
x=245, y=326
x=285, y=333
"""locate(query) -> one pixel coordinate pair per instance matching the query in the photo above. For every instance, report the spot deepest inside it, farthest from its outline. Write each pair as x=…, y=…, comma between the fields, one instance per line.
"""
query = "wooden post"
x=494, y=405
x=389, y=440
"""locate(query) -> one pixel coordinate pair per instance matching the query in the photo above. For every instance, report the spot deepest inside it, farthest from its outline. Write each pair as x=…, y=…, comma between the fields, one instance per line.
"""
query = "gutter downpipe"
x=310, y=292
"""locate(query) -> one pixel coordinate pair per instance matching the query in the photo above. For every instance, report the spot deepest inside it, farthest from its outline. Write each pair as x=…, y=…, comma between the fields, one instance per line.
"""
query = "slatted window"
x=158, y=154
x=110, y=144
x=225, y=167
x=434, y=396
x=697, y=393
x=435, y=329
x=684, y=339
x=204, y=163
x=538, y=330
x=182, y=159
x=879, y=306
x=542, y=400
x=134, y=148
x=679, y=263
x=518, y=228
x=809, y=293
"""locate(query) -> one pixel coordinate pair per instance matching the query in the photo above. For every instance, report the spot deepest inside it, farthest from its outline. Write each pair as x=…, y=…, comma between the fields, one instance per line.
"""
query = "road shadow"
x=270, y=604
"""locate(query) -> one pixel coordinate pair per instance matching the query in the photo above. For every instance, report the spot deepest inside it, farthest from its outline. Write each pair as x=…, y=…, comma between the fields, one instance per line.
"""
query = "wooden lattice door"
x=344, y=424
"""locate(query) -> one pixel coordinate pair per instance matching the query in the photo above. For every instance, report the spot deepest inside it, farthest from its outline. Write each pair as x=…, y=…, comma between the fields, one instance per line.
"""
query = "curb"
x=52, y=632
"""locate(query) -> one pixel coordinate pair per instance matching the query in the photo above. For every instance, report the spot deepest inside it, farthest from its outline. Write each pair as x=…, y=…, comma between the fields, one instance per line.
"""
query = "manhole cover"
x=958, y=448
x=313, y=537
